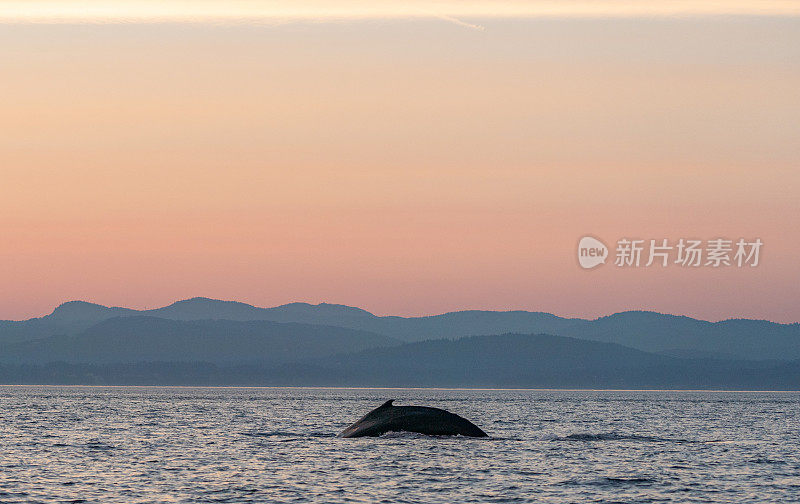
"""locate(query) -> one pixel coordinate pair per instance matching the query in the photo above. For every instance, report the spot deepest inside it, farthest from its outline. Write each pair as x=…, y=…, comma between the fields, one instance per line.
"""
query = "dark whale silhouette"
x=421, y=419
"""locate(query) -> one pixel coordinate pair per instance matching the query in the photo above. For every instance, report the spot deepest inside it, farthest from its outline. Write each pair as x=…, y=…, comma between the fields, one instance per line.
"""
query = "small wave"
x=763, y=460
x=287, y=434
x=498, y=438
x=272, y=434
x=624, y=481
x=321, y=434
x=612, y=436
x=609, y=481
x=99, y=445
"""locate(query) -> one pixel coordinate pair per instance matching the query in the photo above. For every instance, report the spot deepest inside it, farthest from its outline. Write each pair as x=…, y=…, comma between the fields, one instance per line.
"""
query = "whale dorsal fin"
x=387, y=404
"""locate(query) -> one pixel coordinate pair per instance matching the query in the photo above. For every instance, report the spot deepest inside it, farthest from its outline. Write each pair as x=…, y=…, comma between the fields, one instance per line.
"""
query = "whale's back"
x=419, y=419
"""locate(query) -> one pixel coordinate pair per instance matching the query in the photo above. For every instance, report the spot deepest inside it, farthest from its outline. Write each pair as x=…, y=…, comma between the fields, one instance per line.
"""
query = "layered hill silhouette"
x=647, y=331
x=542, y=361
x=207, y=357
x=137, y=339
x=204, y=341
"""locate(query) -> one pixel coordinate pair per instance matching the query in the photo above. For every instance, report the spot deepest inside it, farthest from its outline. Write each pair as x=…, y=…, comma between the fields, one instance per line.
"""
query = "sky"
x=408, y=158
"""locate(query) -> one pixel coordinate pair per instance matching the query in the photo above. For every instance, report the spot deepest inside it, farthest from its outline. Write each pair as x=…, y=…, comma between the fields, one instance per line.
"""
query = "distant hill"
x=148, y=339
x=544, y=361
x=75, y=316
x=508, y=360
x=68, y=318
x=678, y=335
x=81, y=311
x=643, y=330
x=204, y=308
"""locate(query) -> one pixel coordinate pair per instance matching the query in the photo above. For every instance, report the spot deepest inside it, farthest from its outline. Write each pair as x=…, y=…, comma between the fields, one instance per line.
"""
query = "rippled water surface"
x=141, y=444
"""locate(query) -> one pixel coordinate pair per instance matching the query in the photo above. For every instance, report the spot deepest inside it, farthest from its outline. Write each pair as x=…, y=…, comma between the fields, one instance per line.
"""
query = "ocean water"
x=172, y=444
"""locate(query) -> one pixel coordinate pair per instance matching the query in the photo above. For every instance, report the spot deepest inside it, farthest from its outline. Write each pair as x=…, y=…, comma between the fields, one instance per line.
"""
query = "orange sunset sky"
x=409, y=160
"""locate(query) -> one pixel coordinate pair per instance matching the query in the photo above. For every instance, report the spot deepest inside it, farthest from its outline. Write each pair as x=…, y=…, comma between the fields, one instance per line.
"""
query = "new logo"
x=591, y=252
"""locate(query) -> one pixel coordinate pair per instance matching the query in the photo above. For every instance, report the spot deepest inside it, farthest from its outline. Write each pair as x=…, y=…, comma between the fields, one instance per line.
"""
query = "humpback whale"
x=420, y=419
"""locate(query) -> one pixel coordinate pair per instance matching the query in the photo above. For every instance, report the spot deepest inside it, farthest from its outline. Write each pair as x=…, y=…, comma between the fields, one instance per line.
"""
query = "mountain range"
x=643, y=330
x=202, y=340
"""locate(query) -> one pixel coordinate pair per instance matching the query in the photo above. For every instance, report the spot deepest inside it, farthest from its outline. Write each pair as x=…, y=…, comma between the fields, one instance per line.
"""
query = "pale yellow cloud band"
x=122, y=11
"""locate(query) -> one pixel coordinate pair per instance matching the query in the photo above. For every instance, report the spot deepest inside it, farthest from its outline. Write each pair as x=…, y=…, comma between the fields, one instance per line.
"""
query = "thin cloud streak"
x=274, y=11
x=459, y=22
